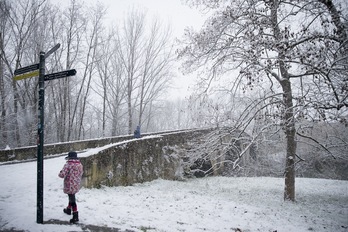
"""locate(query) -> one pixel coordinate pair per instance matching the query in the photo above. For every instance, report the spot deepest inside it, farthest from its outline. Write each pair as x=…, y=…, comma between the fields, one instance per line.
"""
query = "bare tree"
x=146, y=58
x=130, y=49
x=4, y=25
x=155, y=72
x=74, y=27
x=104, y=66
x=117, y=93
x=97, y=14
x=111, y=87
x=259, y=39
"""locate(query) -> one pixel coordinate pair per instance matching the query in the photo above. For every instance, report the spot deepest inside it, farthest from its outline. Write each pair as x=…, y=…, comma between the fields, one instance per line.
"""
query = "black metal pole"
x=40, y=142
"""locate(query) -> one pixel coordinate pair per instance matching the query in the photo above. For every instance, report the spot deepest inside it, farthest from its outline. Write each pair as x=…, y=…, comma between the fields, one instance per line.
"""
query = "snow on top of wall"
x=94, y=151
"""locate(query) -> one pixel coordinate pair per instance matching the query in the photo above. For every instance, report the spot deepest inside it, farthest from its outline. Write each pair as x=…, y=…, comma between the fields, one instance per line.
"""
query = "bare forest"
x=123, y=72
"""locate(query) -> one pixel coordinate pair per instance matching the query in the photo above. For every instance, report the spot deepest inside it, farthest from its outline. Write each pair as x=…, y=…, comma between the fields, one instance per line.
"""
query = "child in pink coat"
x=72, y=174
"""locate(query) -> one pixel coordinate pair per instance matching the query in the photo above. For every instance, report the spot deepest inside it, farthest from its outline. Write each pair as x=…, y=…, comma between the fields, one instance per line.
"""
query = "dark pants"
x=72, y=202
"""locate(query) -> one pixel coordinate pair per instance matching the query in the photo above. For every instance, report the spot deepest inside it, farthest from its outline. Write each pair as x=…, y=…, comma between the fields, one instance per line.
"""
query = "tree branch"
x=317, y=142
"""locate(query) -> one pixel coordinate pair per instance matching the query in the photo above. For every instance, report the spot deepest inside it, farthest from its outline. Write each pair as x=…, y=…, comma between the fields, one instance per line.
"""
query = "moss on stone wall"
x=137, y=161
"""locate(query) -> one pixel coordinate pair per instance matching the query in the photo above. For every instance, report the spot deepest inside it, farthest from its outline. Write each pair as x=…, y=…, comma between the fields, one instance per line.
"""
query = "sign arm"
x=52, y=50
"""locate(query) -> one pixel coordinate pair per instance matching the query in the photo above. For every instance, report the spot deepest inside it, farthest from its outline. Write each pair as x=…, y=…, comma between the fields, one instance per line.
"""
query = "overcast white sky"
x=174, y=12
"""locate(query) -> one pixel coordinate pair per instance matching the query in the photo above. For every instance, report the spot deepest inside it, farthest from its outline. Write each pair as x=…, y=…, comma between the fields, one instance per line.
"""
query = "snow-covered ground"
x=209, y=204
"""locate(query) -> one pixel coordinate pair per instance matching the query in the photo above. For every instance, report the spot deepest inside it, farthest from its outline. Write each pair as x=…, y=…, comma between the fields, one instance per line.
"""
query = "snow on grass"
x=209, y=204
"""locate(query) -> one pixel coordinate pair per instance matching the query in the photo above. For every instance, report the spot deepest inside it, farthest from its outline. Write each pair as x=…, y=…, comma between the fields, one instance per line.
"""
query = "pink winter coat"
x=72, y=174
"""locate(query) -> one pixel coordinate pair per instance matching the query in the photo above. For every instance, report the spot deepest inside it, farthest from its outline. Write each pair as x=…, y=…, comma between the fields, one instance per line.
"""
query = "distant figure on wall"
x=137, y=132
x=72, y=174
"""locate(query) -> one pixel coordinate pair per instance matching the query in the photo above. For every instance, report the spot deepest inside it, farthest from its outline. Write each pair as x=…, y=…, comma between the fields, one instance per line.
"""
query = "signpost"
x=39, y=70
x=40, y=140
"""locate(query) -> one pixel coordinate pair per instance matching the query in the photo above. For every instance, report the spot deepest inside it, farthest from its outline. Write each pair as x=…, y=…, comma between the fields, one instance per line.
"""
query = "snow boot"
x=67, y=211
x=75, y=217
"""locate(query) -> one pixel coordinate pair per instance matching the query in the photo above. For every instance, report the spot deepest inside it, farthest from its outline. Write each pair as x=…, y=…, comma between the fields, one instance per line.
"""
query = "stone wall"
x=28, y=153
x=137, y=161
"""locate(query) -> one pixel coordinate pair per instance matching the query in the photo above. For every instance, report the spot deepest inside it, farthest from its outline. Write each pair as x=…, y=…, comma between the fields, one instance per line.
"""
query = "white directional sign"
x=58, y=75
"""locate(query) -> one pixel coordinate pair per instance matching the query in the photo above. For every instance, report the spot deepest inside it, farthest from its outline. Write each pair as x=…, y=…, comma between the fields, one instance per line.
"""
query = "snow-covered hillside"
x=209, y=204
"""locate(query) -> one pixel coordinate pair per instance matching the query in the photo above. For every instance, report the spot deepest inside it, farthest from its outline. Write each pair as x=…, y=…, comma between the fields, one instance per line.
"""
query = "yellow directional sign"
x=26, y=69
x=26, y=75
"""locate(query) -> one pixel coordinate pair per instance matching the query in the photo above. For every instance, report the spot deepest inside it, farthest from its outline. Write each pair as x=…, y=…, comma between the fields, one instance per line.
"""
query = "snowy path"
x=210, y=204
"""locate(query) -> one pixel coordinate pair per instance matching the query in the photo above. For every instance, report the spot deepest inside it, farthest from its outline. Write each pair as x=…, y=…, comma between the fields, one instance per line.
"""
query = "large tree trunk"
x=3, y=133
x=130, y=112
x=288, y=114
x=15, y=123
x=290, y=131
